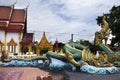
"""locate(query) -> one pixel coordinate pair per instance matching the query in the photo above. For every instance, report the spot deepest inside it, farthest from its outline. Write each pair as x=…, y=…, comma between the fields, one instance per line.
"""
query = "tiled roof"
x=10, y=16
x=18, y=16
x=14, y=20
x=14, y=28
x=3, y=25
x=27, y=39
x=5, y=12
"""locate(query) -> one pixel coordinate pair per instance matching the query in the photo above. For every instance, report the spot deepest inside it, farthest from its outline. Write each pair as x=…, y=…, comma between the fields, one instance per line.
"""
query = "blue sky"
x=61, y=18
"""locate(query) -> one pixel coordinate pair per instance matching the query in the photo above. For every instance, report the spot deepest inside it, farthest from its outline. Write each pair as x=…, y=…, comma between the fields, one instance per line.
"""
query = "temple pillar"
x=14, y=48
x=37, y=50
x=19, y=39
x=5, y=40
x=8, y=48
x=30, y=48
x=0, y=48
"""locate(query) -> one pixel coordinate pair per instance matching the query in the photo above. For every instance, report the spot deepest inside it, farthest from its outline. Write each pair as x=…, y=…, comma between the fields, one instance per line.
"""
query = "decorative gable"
x=11, y=42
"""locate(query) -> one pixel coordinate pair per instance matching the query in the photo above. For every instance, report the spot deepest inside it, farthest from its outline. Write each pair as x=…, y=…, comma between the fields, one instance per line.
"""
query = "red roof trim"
x=3, y=28
x=25, y=42
x=17, y=22
x=13, y=30
x=27, y=38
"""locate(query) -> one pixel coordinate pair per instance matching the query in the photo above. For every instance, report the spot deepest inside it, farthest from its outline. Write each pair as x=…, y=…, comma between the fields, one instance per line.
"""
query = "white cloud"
x=64, y=16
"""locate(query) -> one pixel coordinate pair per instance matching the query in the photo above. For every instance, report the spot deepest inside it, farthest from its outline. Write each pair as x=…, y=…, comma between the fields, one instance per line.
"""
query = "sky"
x=61, y=18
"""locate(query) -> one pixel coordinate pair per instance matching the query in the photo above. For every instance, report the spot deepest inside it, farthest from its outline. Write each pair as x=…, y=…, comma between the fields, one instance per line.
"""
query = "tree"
x=60, y=46
x=34, y=49
x=44, y=50
x=84, y=42
x=25, y=50
x=113, y=19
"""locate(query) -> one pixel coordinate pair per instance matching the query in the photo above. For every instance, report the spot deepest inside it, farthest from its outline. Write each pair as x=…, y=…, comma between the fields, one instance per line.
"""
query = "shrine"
x=44, y=44
x=13, y=29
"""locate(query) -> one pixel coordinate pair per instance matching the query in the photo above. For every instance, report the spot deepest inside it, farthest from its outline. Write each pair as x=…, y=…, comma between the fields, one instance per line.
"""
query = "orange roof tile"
x=5, y=12
x=3, y=25
x=18, y=15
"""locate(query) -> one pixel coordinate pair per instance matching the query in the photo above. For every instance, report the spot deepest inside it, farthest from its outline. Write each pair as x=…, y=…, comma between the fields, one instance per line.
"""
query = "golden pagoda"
x=44, y=44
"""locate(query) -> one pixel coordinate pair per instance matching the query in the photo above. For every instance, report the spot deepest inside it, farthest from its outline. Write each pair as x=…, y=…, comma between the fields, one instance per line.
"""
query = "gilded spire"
x=44, y=44
x=44, y=41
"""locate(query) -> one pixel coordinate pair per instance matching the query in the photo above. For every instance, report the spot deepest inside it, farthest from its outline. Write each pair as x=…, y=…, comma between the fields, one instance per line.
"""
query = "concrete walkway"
x=85, y=76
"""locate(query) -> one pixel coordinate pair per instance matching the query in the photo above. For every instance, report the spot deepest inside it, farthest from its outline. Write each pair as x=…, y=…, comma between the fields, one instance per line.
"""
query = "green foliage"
x=15, y=54
x=25, y=50
x=113, y=19
x=43, y=50
x=85, y=42
x=34, y=49
x=60, y=46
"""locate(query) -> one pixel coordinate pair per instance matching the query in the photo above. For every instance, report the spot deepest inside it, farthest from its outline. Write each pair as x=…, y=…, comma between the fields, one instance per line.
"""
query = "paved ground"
x=69, y=75
x=84, y=76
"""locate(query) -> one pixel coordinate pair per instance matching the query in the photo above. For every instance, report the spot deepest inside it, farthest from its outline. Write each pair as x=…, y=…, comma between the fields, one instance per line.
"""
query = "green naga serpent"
x=73, y=51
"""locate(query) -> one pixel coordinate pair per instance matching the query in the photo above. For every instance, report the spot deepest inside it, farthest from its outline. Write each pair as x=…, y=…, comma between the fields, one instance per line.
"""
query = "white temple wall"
x=2, y=33
x=15, y=37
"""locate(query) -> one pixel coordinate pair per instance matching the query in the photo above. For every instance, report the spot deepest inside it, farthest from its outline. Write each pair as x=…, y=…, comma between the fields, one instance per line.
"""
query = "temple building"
x=44, y=44
x=13, y=29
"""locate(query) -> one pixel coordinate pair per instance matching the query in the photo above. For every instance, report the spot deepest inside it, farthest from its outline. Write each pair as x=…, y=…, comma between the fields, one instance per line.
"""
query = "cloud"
x=61, y=18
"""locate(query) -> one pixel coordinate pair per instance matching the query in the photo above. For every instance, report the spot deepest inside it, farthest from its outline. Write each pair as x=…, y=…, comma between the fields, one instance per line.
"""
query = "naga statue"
x=99, y=61
x=102, y=57
x=103, y=33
